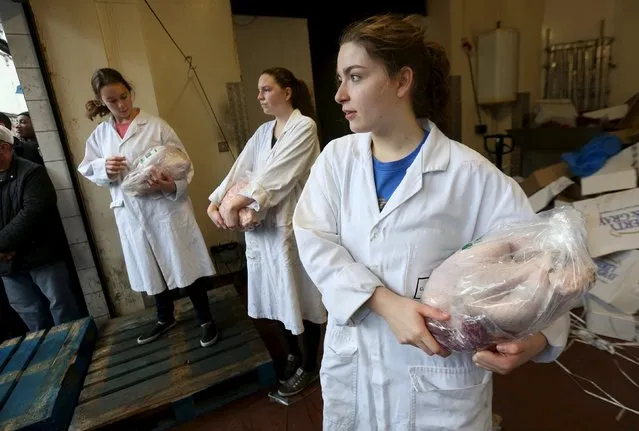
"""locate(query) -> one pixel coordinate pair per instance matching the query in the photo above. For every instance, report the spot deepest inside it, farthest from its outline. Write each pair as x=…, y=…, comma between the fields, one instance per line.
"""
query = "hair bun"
x=417, y=21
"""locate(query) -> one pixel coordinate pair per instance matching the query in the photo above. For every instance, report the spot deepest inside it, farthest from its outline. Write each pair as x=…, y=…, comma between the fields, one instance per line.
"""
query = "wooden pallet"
x=41, y=376
x=126, y=380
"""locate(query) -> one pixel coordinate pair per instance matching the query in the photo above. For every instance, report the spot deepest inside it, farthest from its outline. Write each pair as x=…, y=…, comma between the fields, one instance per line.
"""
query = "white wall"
x=621, y=22
x=451, y=20
x=204, y=31
x=264, y=42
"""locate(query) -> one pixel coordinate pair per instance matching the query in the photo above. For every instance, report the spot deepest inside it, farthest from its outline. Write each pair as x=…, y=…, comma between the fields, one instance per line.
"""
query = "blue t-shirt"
x=388, y=175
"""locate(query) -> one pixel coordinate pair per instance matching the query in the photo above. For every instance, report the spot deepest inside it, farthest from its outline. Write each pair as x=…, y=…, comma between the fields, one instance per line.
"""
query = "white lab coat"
x=161, y=241
x=278, y=286
x=449, y=196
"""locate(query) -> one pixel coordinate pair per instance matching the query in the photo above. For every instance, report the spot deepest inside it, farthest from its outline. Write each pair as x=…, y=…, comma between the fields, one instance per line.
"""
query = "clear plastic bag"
x=248, y=217
x=169, y=160
x=512, y=282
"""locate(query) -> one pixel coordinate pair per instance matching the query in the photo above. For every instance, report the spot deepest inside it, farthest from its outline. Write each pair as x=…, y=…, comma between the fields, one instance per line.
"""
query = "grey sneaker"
x=210, y=334
x=154, y=333
x=291, y=366
x=296, y=384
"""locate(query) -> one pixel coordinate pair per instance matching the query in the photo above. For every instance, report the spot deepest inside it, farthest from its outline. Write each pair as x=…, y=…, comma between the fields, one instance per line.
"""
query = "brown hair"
x=401, y=42
x=301, y=96
x=100, y=79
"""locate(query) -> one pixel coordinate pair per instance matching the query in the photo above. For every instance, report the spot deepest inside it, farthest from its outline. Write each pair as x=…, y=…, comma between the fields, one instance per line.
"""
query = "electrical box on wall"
x=497, y=66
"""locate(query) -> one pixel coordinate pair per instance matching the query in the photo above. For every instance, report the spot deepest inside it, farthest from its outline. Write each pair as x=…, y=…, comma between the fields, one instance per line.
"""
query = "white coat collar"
x=139, y=120
x=436, y=150
x=435, y=153
x=296, y=115
x=434, y=156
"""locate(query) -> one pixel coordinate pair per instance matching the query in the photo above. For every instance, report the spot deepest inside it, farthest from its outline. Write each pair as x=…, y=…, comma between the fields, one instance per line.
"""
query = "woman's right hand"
x=407, y=319
x=115, y=165
x=214, y=214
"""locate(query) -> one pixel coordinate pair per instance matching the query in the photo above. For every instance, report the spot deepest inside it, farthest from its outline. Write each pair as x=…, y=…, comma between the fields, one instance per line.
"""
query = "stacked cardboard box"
x=609, y=200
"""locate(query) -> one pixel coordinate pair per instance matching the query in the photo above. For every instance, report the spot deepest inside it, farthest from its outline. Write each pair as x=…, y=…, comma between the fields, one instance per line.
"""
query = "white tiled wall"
x=58, y=172
x=50, y=146
x=40, y=110
x=22, y=50
x=67, y=203
x=29, y=72
x=89, y=280
x=13, y=20
x=74, y=228
x=33, y=88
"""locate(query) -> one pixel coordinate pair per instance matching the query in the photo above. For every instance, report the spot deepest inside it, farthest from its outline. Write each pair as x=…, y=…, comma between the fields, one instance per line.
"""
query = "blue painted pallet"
x=41, y=376
x=173, y=375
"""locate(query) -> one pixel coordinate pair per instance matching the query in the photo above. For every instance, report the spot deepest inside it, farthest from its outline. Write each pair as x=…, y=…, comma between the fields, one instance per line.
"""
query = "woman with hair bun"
x=381, y=209
x=264, y=185
x=162, y=244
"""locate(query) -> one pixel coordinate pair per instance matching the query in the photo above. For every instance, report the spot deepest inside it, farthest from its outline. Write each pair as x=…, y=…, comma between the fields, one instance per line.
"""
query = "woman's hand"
x=511, y=355
x=249, y=219
x=230, y=212
x=231, y=216
x=114, y=165
x=214, y=214
x=160, y=182
x=406, y=318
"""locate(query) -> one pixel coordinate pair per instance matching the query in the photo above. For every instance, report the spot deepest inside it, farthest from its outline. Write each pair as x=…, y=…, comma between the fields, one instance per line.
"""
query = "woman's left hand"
x=509, y=356
x=231, y=216
x=230, y=212
x=161, y=182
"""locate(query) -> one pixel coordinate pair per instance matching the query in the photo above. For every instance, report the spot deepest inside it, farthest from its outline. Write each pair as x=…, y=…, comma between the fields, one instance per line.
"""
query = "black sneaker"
x=209, y=334
x=296, y=384
x=292, y=364
x=154, y=333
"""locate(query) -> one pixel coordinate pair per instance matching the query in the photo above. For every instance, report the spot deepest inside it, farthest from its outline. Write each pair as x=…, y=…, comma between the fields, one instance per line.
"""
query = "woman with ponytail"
x=277, y=161
x=382, y=208
x=162, y=244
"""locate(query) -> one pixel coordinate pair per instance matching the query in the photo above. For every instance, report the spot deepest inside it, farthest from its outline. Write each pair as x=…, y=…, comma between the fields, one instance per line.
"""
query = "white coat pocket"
x=338, y=377
x=447, y=399
x=425, y=250
x=116, y=203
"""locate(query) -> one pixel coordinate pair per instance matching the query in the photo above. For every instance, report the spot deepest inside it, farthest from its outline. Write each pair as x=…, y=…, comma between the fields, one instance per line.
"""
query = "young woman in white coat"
x=381, y=209
x=162, y=244
x=279, y=156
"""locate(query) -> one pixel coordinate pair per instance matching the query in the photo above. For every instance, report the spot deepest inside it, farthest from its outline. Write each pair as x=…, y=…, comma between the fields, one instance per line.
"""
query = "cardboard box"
x=612, y=222
x=543, y=197
x=544, y=177
x=602, y=319
x=619, y=173
x=611, y=113
x=618, y=280
x=570, y=195
x=631, y=119
x=629, y=125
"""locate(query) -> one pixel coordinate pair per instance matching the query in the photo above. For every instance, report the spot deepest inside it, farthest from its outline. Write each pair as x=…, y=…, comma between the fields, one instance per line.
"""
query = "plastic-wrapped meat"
x=247, y=216
x=169, y=160
x=512, y=282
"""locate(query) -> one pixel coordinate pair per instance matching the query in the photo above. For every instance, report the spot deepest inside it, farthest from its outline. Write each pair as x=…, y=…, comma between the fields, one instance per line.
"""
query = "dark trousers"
x=310, y=339
x=197, y=294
